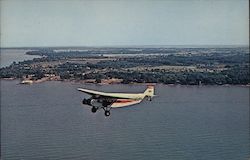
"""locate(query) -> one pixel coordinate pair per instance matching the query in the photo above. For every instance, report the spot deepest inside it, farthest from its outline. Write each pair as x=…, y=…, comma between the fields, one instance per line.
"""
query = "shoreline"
x=91, y=66
x=132, y=83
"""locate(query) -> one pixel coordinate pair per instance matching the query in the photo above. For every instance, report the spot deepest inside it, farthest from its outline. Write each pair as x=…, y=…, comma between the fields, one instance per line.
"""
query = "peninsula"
x=185, y=66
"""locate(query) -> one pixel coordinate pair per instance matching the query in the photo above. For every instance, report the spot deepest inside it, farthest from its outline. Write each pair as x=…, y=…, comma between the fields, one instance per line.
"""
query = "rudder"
x=149, y=92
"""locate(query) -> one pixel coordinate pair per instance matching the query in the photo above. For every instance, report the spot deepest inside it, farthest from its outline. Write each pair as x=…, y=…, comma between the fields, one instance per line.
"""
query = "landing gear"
x=149, y=98
x=106, y=110
x=93, y=109
x=107, y=113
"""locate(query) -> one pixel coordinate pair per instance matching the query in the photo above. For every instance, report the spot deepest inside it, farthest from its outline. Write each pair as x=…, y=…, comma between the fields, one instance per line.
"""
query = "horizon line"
x=133, y=46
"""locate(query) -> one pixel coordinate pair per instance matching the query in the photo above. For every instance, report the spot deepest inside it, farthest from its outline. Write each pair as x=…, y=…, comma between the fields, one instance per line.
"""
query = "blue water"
x=8, y=56
x=48, y=121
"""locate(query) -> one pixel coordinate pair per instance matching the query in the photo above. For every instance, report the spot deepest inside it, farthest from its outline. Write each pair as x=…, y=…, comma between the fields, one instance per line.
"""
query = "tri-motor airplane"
x=106, y=101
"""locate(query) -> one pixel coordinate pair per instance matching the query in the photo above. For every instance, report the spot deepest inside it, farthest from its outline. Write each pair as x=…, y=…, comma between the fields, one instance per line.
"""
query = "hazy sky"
x=135, y=22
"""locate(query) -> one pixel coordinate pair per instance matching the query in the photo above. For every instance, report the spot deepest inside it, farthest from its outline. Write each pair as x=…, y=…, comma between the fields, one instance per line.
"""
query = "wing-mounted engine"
x=96, y=103
x=92, y=102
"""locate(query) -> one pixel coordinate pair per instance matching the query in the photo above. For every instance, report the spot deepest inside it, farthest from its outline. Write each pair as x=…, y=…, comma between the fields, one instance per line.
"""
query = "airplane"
x=106, y=101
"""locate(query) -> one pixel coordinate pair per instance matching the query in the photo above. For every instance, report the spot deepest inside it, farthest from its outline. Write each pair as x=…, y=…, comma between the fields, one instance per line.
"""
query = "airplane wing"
x=91, y=92
x=110, y=95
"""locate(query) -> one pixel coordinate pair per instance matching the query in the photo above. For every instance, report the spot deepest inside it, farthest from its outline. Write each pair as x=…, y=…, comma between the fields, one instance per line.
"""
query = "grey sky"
x=137, y=22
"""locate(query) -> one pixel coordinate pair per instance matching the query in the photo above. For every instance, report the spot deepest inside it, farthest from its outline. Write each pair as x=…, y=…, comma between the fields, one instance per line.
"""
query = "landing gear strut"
x=106, y=108
x=149, y=98
x=106, y=111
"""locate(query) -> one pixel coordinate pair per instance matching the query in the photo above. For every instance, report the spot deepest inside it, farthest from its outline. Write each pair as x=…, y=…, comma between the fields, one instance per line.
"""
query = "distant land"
x=185, y=65
x=132, y=46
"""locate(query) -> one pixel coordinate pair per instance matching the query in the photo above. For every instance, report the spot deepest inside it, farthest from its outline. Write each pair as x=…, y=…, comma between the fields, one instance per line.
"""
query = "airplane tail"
x=149, y=92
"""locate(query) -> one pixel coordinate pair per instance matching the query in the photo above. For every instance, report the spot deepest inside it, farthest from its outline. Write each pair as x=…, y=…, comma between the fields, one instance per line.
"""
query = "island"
x=185, y=66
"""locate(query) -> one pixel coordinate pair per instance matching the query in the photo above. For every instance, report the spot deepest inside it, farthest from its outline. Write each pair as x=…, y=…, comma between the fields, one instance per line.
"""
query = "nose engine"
x=86, y=101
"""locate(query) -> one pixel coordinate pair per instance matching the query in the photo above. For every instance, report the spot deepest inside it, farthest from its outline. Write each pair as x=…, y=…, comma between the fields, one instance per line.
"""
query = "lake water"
x=48, y=121
x=8, y=56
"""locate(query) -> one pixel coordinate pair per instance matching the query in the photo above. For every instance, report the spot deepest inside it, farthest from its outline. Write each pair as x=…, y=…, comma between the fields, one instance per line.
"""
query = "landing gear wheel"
x=149, y=98
x=93, y=109
x=107, y=113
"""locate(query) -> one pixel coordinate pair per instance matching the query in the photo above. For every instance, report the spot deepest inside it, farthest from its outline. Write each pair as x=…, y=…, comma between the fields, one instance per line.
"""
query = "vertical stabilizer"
x=149, y=92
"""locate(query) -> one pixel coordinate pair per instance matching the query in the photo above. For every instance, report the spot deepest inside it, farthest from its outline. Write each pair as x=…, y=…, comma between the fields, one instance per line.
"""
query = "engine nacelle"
x=95, y=103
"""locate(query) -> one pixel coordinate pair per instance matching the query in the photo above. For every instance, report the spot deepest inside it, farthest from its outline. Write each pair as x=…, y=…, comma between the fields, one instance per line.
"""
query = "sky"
x=36, y=23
